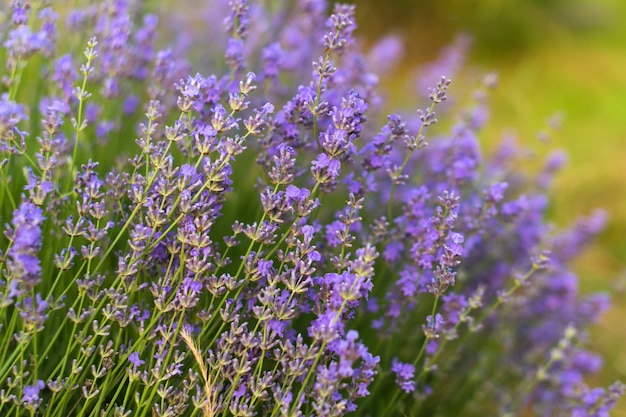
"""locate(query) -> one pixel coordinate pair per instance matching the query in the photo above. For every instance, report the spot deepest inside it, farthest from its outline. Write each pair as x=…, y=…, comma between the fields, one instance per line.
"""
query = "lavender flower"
x=258, y=239
x=23, y=264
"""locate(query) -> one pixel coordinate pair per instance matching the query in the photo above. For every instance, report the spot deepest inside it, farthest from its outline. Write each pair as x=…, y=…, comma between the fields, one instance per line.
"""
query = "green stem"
x=79, y=121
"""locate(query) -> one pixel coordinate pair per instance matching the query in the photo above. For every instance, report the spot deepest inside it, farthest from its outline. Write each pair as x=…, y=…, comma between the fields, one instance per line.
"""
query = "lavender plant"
x=258, y=239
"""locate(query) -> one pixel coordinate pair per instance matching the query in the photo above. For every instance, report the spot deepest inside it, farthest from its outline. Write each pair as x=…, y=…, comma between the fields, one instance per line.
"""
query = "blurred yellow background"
x=551, y=55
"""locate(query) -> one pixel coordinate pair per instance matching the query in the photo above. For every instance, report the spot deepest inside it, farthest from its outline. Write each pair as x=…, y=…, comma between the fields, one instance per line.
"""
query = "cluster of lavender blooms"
x=253, y=242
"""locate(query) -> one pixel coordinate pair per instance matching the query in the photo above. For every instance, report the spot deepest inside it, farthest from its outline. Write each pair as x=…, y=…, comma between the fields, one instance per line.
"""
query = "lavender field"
x=267, y=208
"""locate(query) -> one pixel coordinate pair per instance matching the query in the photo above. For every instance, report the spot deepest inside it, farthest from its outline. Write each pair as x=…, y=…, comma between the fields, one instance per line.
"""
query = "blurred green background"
x=551, y=55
